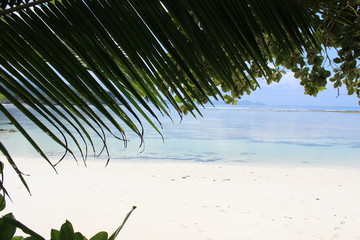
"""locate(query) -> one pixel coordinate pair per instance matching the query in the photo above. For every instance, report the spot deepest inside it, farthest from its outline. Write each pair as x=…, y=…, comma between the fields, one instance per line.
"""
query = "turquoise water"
x=245, y=134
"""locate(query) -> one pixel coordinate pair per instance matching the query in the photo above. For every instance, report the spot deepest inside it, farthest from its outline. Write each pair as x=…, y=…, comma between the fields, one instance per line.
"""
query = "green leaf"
x=79, y=236
x=2, y=202
x=67, y=231
x=116, y=233
x=7, y=230
x=337, y=84
x=98, y=65
x=100, y=236
x=15, y=223
x=337, y=60
x=1, y=167
x=19, y=238
x=54, y=234
x=351, y=90
x=4, y=151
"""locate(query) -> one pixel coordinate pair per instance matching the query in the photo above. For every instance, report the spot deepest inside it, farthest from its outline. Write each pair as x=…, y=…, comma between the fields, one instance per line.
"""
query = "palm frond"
x=132, y=60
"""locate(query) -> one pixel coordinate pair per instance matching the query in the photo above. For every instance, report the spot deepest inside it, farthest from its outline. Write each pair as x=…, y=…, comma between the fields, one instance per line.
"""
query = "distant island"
x=250, y=103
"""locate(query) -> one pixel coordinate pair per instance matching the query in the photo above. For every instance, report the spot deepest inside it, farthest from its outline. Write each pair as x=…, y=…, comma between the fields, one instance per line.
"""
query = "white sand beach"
x=202, y=201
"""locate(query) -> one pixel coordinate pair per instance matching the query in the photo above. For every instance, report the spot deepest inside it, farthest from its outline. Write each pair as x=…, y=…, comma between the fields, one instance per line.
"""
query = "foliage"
x=338, y=29
x=9, y=225
x=345, y=36
x=5, y=4
x=127, y=58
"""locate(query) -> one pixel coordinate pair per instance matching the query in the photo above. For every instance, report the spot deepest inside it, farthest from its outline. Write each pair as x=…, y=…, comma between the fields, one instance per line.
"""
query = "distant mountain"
x=250, y=103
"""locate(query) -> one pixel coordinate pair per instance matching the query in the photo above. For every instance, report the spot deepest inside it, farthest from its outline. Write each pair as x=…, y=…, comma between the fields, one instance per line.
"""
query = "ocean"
x=252, y=135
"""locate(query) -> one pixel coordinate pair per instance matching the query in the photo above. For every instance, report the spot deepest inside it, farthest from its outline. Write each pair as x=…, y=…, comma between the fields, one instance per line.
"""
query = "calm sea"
x=260, y=135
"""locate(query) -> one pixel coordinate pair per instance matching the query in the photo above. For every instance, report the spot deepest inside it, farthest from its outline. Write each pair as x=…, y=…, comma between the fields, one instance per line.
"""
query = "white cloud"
x=289, y=92
x=288, y=82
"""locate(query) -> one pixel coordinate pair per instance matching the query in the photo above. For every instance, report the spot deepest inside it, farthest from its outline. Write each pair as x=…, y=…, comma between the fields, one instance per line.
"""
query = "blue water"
x=261, y=135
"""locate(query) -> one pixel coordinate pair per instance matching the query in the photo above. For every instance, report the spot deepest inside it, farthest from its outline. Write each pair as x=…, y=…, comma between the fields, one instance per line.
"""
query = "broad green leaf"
x=19, y=238
x=67, y=231
x=54, y=234
x=337, y=60
x=100, y=236
x=7, y=230
x=79, y=236
x=17, y=224
x=2, y=202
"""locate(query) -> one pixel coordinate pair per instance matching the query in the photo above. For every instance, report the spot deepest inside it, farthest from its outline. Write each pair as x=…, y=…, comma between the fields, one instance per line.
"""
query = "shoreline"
x=189, y=200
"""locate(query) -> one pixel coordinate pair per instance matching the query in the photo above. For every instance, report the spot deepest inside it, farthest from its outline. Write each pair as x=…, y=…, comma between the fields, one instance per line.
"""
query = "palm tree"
x=78, y=62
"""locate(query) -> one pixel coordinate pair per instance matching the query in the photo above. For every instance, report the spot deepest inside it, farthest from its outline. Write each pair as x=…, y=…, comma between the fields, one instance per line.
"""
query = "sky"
x=289, y=92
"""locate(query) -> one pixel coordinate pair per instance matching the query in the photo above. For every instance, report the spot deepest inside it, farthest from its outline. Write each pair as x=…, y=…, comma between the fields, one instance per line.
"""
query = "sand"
x=202, y=201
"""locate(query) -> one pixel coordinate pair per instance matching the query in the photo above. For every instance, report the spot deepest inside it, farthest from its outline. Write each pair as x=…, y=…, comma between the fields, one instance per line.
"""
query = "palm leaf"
x=132, y=60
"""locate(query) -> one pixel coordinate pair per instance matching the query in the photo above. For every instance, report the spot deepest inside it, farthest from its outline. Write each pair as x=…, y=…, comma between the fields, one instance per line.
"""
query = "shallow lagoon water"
x=259, y=135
